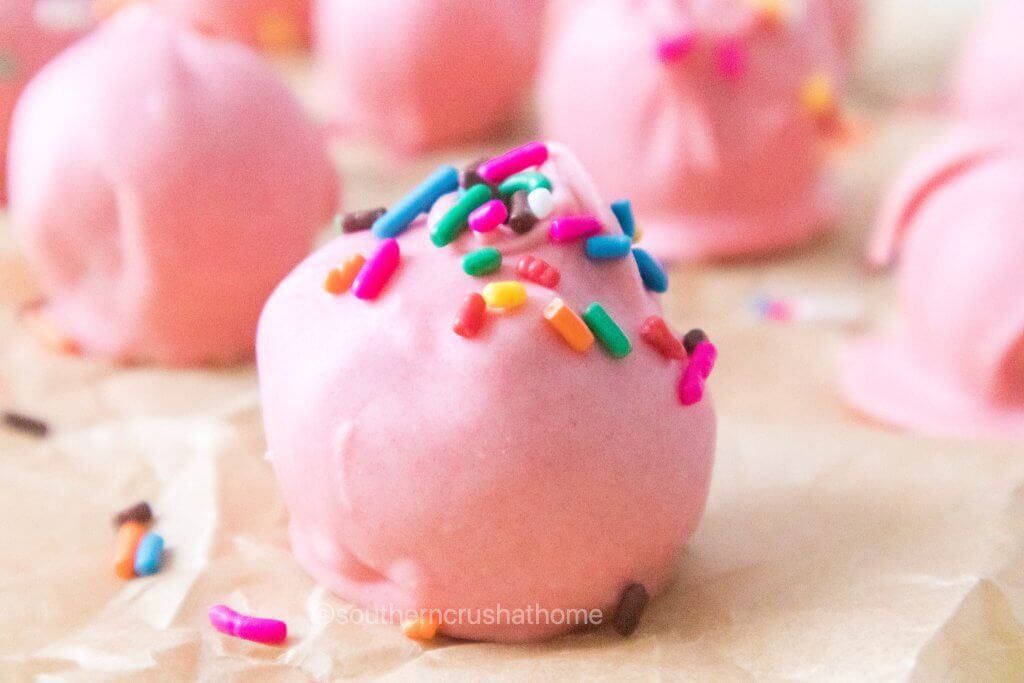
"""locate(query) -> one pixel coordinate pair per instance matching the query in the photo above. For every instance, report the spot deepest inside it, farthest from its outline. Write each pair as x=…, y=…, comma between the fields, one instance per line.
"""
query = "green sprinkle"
x=607, y=331
x=527, y=180
x=454, y=222
x=482, y=261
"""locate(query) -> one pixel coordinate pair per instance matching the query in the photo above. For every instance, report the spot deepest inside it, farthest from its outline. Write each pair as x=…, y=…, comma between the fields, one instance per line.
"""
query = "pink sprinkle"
x=732, y=59
x=691, y=384
x=779, y=311
x=673, y=49
x=497, y=169
x=376, y=272
x=227, y=620
x=489, y=216
x=569, y=228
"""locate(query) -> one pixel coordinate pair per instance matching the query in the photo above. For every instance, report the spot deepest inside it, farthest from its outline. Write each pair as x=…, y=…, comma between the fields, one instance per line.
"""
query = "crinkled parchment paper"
x=831, y=549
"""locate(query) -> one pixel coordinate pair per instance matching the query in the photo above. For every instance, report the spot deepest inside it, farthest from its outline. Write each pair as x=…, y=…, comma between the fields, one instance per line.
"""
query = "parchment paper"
x=831, y=549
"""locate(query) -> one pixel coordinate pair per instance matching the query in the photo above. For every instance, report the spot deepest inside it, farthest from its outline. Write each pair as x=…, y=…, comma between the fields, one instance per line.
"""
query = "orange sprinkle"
x=128, y=536
x=340, y=279
x=572, y=328
x=817, y=96
x=423, y=628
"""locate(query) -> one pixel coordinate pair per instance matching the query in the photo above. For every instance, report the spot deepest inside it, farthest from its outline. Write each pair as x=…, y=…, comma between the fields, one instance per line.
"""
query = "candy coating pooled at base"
x=430, y=471
x=952, y=365
x=183, y=182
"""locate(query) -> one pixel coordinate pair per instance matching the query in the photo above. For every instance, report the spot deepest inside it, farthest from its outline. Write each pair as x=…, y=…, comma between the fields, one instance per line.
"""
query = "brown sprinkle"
x=357, y=221
x=26, y=424
x=140, y=512
x=630, y=608
x=692, y=339
x=520, y=218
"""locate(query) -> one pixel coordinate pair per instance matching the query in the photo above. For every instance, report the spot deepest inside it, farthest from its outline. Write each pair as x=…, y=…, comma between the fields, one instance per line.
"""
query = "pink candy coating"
x=954, y=364
x=161, y=184
x=422, y=471
x=25, y=46
x=377, y=271
x=230, y=622
x=570, y=228
x=714, y=167
x=430, y=73
x=988, y=81
x=489, y=216
x=501, y=167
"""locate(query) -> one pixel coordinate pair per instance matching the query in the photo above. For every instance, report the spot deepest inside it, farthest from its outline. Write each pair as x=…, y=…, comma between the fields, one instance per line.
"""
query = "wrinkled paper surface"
x=831, y=548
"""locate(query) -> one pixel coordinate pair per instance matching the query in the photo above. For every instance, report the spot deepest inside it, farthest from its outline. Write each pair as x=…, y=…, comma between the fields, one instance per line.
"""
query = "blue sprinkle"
x=623, y=210
x=651, y=272
x=608, y=246
x=398, y=218
x=148, y=555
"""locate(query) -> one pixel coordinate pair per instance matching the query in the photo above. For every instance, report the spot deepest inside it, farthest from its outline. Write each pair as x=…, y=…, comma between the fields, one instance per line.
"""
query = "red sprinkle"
x=538, y=271
x=655, y=332
x=471, y=316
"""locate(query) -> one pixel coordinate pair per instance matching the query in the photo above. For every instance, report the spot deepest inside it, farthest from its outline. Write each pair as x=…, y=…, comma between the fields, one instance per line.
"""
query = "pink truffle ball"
x=424, y=470
x=26, y=44
x=423, y=74
x=696, y=111
x=954, y=365
x=270, y=24
x=161, y=184
x=988, y=82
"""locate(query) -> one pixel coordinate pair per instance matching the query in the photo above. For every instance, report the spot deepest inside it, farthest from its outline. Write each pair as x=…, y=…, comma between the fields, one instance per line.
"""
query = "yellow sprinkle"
x=638, y=234
x=508, y=294
x=423, y=628
x=278, y=33
x=817, y=96
x=771, y=11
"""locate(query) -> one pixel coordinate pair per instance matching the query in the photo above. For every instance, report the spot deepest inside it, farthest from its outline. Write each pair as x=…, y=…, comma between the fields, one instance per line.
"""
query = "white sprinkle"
x=541, y=202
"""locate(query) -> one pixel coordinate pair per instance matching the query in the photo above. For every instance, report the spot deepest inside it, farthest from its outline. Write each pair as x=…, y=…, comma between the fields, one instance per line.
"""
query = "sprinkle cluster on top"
x=731, y=54
x=510, y=190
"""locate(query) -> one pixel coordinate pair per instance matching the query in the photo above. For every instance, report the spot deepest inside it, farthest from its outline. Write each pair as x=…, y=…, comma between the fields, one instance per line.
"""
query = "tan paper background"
x=831, y=549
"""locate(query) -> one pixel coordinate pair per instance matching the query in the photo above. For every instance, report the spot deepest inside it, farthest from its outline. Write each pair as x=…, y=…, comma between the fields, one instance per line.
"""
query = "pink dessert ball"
x=161, y=184
x=267, y=24
x=988, y=82
x=422, y=74
x=427, y=471
x=697, y=111
x=26, y=44
x=954, y=364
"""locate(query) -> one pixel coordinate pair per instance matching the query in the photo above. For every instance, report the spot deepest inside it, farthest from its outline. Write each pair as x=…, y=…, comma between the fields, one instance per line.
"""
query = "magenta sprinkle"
x=569, y=228
x=671, y=50
x=732, y=59
x=691, y=384
x=376, y=272
x=501, y=167
x=230, y=622
x=489, y=216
